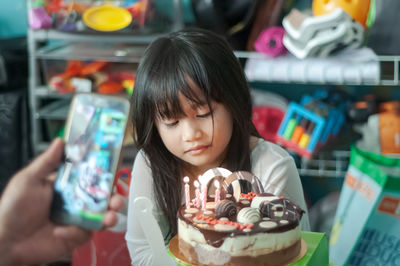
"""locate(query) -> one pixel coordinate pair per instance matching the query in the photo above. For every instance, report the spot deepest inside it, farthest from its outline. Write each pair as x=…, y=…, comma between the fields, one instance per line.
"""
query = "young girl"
x=192, y=112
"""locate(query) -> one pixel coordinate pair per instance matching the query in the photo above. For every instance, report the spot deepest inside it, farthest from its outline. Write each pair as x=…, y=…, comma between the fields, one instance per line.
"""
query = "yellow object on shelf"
x=357, y=9
x=107, y=18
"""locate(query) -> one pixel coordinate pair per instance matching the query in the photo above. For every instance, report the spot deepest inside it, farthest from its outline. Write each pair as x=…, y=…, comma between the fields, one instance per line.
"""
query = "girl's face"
x=200, y=137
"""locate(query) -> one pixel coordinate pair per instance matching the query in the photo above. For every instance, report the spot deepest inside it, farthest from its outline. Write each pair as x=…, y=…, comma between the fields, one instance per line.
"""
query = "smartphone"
x=93, y=135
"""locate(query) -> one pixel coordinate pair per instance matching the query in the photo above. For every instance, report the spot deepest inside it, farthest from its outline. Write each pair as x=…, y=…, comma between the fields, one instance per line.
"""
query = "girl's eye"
x=204, y=115
x=171, y=124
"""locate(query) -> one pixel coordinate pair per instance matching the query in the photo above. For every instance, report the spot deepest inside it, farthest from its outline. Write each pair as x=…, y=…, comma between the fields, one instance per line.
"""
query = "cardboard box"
x=366, y=230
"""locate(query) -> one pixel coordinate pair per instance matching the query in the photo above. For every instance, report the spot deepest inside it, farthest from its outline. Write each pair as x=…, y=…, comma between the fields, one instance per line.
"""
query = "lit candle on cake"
x=217, y=191
x=203, y=194
x=187, y=191
x=197, y=194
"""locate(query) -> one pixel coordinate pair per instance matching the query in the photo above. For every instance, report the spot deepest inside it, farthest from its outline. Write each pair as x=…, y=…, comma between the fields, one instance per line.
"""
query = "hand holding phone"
x=94, y=136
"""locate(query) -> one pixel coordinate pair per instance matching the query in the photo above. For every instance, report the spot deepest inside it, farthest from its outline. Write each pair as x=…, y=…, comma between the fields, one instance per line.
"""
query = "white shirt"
x=272, y=164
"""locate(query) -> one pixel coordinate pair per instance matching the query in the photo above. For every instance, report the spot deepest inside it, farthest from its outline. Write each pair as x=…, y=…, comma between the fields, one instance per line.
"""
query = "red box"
x=106, y=248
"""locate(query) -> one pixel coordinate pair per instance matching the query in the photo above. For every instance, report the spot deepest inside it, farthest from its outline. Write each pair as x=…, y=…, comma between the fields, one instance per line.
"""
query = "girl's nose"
x=191, y=131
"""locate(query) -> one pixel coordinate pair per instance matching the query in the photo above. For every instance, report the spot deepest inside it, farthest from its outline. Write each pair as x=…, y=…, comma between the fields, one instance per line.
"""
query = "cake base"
x=265, y=260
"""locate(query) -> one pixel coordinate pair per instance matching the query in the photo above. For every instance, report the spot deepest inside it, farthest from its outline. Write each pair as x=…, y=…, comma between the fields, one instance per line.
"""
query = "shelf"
x=89, y=51
x=383, y=70
x=57, y=110
x=45, y=92
x=89, y=36
x=329, y=164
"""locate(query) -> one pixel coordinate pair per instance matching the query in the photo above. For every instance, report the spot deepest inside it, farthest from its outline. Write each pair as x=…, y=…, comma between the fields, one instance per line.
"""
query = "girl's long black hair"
x=163, y=73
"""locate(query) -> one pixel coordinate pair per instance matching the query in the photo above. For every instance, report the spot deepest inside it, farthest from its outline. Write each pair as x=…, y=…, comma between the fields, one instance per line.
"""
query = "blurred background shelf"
x=386, y=67
x=327, y=164
x=87, y=51
x=91, y=36
x=56, y=110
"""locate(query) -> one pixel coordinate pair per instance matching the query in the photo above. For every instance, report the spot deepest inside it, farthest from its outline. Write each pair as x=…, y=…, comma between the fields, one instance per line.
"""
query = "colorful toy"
x=38, y=18
x=357, y=9
x=128, y=85
x=308, y=36
x=54, y=6
x=270, y=42
x=107, y=18
x=92, y=68
x=381, y=132
x=75, y=69
x=267, y=119
x=303, y=117
x=389, y=132
x=308, y=126
x=110, y=88
x=138, y=11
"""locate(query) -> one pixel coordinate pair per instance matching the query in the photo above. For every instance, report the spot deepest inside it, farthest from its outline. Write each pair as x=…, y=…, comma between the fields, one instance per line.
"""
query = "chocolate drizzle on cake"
x=226, y=208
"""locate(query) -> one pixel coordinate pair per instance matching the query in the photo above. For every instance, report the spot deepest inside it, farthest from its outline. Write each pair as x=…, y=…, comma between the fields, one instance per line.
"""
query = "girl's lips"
x=197, y=150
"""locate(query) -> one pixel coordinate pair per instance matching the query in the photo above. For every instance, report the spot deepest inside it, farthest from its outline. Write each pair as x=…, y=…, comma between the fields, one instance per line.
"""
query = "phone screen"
x=93, y=142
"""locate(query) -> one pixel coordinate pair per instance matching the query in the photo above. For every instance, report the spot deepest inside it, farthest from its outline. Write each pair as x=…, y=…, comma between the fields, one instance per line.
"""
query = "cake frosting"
x=242, y=228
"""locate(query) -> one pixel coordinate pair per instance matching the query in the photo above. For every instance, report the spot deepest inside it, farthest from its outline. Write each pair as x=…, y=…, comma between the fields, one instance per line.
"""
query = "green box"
x=317, y=250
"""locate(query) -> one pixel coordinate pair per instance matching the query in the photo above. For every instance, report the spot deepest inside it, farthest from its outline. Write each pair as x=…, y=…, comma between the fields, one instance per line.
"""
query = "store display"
x=139, y=16
x=231, y=223
x=367, y=221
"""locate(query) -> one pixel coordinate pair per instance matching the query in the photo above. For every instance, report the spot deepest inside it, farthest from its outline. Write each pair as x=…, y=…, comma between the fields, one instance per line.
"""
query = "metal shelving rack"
x=128, y=49
x=389, y=69
x=334, y=164
x=121, y=48
x=126, y=46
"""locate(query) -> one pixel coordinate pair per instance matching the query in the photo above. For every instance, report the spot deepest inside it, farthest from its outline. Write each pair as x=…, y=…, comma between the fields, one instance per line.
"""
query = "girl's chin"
x=202, y=165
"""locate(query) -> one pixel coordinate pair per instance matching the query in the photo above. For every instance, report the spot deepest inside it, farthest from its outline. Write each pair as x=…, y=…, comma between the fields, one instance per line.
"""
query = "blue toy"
x=310, y=124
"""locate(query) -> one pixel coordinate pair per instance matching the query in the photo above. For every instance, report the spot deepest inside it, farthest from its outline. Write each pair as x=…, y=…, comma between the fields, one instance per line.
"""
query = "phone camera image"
x=94, y=136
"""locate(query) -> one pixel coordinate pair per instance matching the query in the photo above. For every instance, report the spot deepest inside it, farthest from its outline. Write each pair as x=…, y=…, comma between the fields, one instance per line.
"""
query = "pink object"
x=187, y=191
x=197, y=192
x=217, y=192
x=39, y=19
x=270, y=42
x=267, y=120
x=204, y=196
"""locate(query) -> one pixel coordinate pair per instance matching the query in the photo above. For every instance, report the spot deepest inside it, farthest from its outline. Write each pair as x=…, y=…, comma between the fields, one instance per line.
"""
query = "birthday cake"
x=234, y=226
